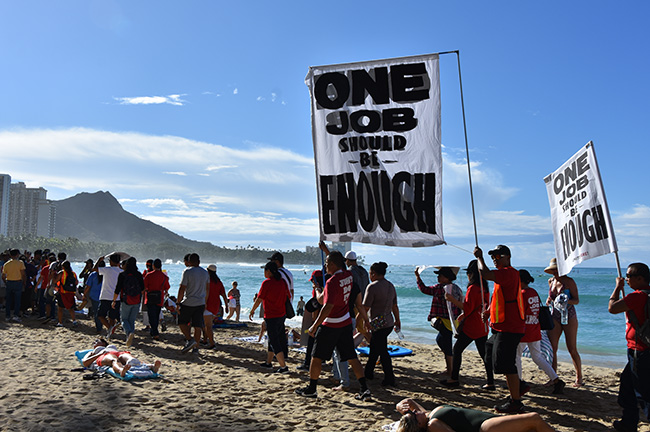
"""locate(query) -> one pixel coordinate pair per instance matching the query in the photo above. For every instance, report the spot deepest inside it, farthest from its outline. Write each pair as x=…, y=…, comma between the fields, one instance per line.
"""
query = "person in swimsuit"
x=235, y=306
x=104, y=354
x=564, y=285
x=447, y=418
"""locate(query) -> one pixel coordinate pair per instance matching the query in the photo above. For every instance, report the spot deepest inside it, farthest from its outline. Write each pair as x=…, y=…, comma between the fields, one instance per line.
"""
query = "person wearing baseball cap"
x=506, y=312
x=439, y=314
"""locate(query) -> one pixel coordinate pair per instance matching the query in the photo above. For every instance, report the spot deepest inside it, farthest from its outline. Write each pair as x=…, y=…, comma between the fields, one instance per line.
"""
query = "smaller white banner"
x=582, y=227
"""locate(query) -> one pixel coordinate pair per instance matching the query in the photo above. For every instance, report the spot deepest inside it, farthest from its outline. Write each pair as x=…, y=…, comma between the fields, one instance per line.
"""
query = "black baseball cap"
x=500, y=250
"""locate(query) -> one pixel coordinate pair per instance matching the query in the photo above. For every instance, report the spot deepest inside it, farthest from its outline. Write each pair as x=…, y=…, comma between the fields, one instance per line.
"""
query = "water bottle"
x=562, y=304
x=290, y=337
x=400, y=334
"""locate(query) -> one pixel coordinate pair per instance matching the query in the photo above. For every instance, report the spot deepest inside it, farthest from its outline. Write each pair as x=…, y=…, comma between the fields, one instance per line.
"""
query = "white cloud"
x=260, y=98
x=235, y=91
x=253, y=191
x=219, y=167
x=174, y=99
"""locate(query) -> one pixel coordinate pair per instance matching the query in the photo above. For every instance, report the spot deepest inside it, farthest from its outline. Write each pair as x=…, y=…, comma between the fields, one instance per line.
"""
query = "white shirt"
x=109, y=281
x=288, y=278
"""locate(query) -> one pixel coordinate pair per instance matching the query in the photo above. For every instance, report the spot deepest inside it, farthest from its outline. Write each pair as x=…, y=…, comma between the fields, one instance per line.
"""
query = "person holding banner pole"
x=506, y=313
x=336, y=328
x=471, y=327
x=557, y=286
x=634, y=389
x=439, y=314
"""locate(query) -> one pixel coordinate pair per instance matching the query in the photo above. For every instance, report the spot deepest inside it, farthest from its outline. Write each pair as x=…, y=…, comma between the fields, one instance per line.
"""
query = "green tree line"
x=80, y=251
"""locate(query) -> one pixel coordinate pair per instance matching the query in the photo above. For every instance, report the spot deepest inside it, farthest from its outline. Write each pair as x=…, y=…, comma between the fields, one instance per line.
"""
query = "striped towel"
x=547, y=349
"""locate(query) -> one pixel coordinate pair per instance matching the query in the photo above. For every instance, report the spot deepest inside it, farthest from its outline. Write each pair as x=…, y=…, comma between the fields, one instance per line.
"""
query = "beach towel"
x=546, y=348
x=136, y=371
x=252, y=339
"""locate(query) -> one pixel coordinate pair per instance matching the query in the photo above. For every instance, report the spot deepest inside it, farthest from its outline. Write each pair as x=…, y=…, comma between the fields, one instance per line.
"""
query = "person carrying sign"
x=634, y=389
x=506, y=314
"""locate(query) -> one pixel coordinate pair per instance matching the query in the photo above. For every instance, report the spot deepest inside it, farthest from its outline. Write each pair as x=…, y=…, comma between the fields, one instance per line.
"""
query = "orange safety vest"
x=498, y=304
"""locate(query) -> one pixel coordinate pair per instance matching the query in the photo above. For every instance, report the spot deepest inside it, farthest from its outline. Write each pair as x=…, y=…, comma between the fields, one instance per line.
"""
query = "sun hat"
x=552, y=266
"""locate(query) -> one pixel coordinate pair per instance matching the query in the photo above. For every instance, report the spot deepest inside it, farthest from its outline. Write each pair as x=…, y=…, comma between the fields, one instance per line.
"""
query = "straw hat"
x=551, y=266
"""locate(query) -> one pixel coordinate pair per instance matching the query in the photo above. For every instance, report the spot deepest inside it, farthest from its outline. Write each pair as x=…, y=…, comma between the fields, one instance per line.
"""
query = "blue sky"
x=195, y=115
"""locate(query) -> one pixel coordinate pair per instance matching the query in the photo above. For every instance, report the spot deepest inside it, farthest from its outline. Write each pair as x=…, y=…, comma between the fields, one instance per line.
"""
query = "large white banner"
x=376, y=133
x=582, y=227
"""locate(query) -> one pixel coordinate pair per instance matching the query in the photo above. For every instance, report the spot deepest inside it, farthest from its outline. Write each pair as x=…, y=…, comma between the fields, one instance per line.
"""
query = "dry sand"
x=227, y=390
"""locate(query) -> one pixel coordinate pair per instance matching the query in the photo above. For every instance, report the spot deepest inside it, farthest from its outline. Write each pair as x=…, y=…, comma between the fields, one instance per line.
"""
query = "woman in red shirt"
x=472, y=326
x=273, y=296
x=213, y=305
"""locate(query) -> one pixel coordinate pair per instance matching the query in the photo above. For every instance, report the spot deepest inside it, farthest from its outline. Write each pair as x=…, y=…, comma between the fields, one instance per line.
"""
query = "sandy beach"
x=227, y=390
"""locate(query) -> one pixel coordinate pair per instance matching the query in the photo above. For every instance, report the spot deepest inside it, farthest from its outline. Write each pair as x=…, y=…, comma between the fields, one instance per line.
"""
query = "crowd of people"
x=348, y=305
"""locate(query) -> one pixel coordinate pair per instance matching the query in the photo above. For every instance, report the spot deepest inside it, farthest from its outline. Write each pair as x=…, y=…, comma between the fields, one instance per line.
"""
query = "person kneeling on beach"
x=104, y=354
x=449, y=418
x=336, y=328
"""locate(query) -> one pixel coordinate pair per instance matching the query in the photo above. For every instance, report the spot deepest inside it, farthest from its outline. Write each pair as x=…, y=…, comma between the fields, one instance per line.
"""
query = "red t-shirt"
x=636, y=302
x=214, y=296
x=274, y=294
x=531, y=311
x=508, y=279
x=45, y=274
x=156, y=280
x=474, y=326
x=337, y=292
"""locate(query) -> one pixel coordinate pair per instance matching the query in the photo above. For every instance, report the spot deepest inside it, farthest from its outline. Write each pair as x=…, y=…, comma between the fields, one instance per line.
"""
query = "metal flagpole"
x=618, y=262
x=469, y=171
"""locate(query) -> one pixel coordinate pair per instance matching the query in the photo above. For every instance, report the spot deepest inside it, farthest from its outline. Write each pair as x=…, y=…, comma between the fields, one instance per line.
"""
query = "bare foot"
x=156, y=366
x=125, y=369
x=578, y=383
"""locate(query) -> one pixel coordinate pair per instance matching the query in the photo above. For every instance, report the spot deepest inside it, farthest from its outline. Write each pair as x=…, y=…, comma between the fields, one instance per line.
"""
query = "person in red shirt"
x=533, y=336
x=156, y=286
x=336, y=328
x=273, y=294
x=506, y=314
x=472, y=328
x=634, y=388
x=213, y=305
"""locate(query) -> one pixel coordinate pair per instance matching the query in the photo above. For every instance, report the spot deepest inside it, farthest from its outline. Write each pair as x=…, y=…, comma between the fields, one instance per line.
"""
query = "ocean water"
x=601, y=336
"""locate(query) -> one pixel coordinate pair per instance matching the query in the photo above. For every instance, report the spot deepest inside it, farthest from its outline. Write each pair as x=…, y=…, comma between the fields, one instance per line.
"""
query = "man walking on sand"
x=108, y=315
x=336, y=328
x=192, y=297
x=506, y=314
x=634, y=389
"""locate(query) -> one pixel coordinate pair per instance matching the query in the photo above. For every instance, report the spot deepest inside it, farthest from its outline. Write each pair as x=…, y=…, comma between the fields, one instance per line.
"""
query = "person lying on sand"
x=104, y=354
x=446, y=418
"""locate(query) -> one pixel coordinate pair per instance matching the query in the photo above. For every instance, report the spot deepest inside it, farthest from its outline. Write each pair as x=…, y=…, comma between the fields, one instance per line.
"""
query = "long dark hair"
x=213, y=276
x=273, y=268
x=474, y=276
x=131, y=266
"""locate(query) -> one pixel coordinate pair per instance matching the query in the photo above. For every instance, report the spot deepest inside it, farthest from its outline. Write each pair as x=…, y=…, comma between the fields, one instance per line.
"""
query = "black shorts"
x=504, y=351
x=276, y=334
x=328, y=338
x=192, y=315
x=106, y=311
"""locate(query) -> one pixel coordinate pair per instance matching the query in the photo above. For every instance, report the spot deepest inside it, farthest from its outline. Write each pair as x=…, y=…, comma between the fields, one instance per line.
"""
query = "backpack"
x=642, y=331
x=131, y=286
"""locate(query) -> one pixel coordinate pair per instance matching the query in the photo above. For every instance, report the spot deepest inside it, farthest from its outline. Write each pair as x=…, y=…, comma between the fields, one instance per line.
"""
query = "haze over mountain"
x=99, y=217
